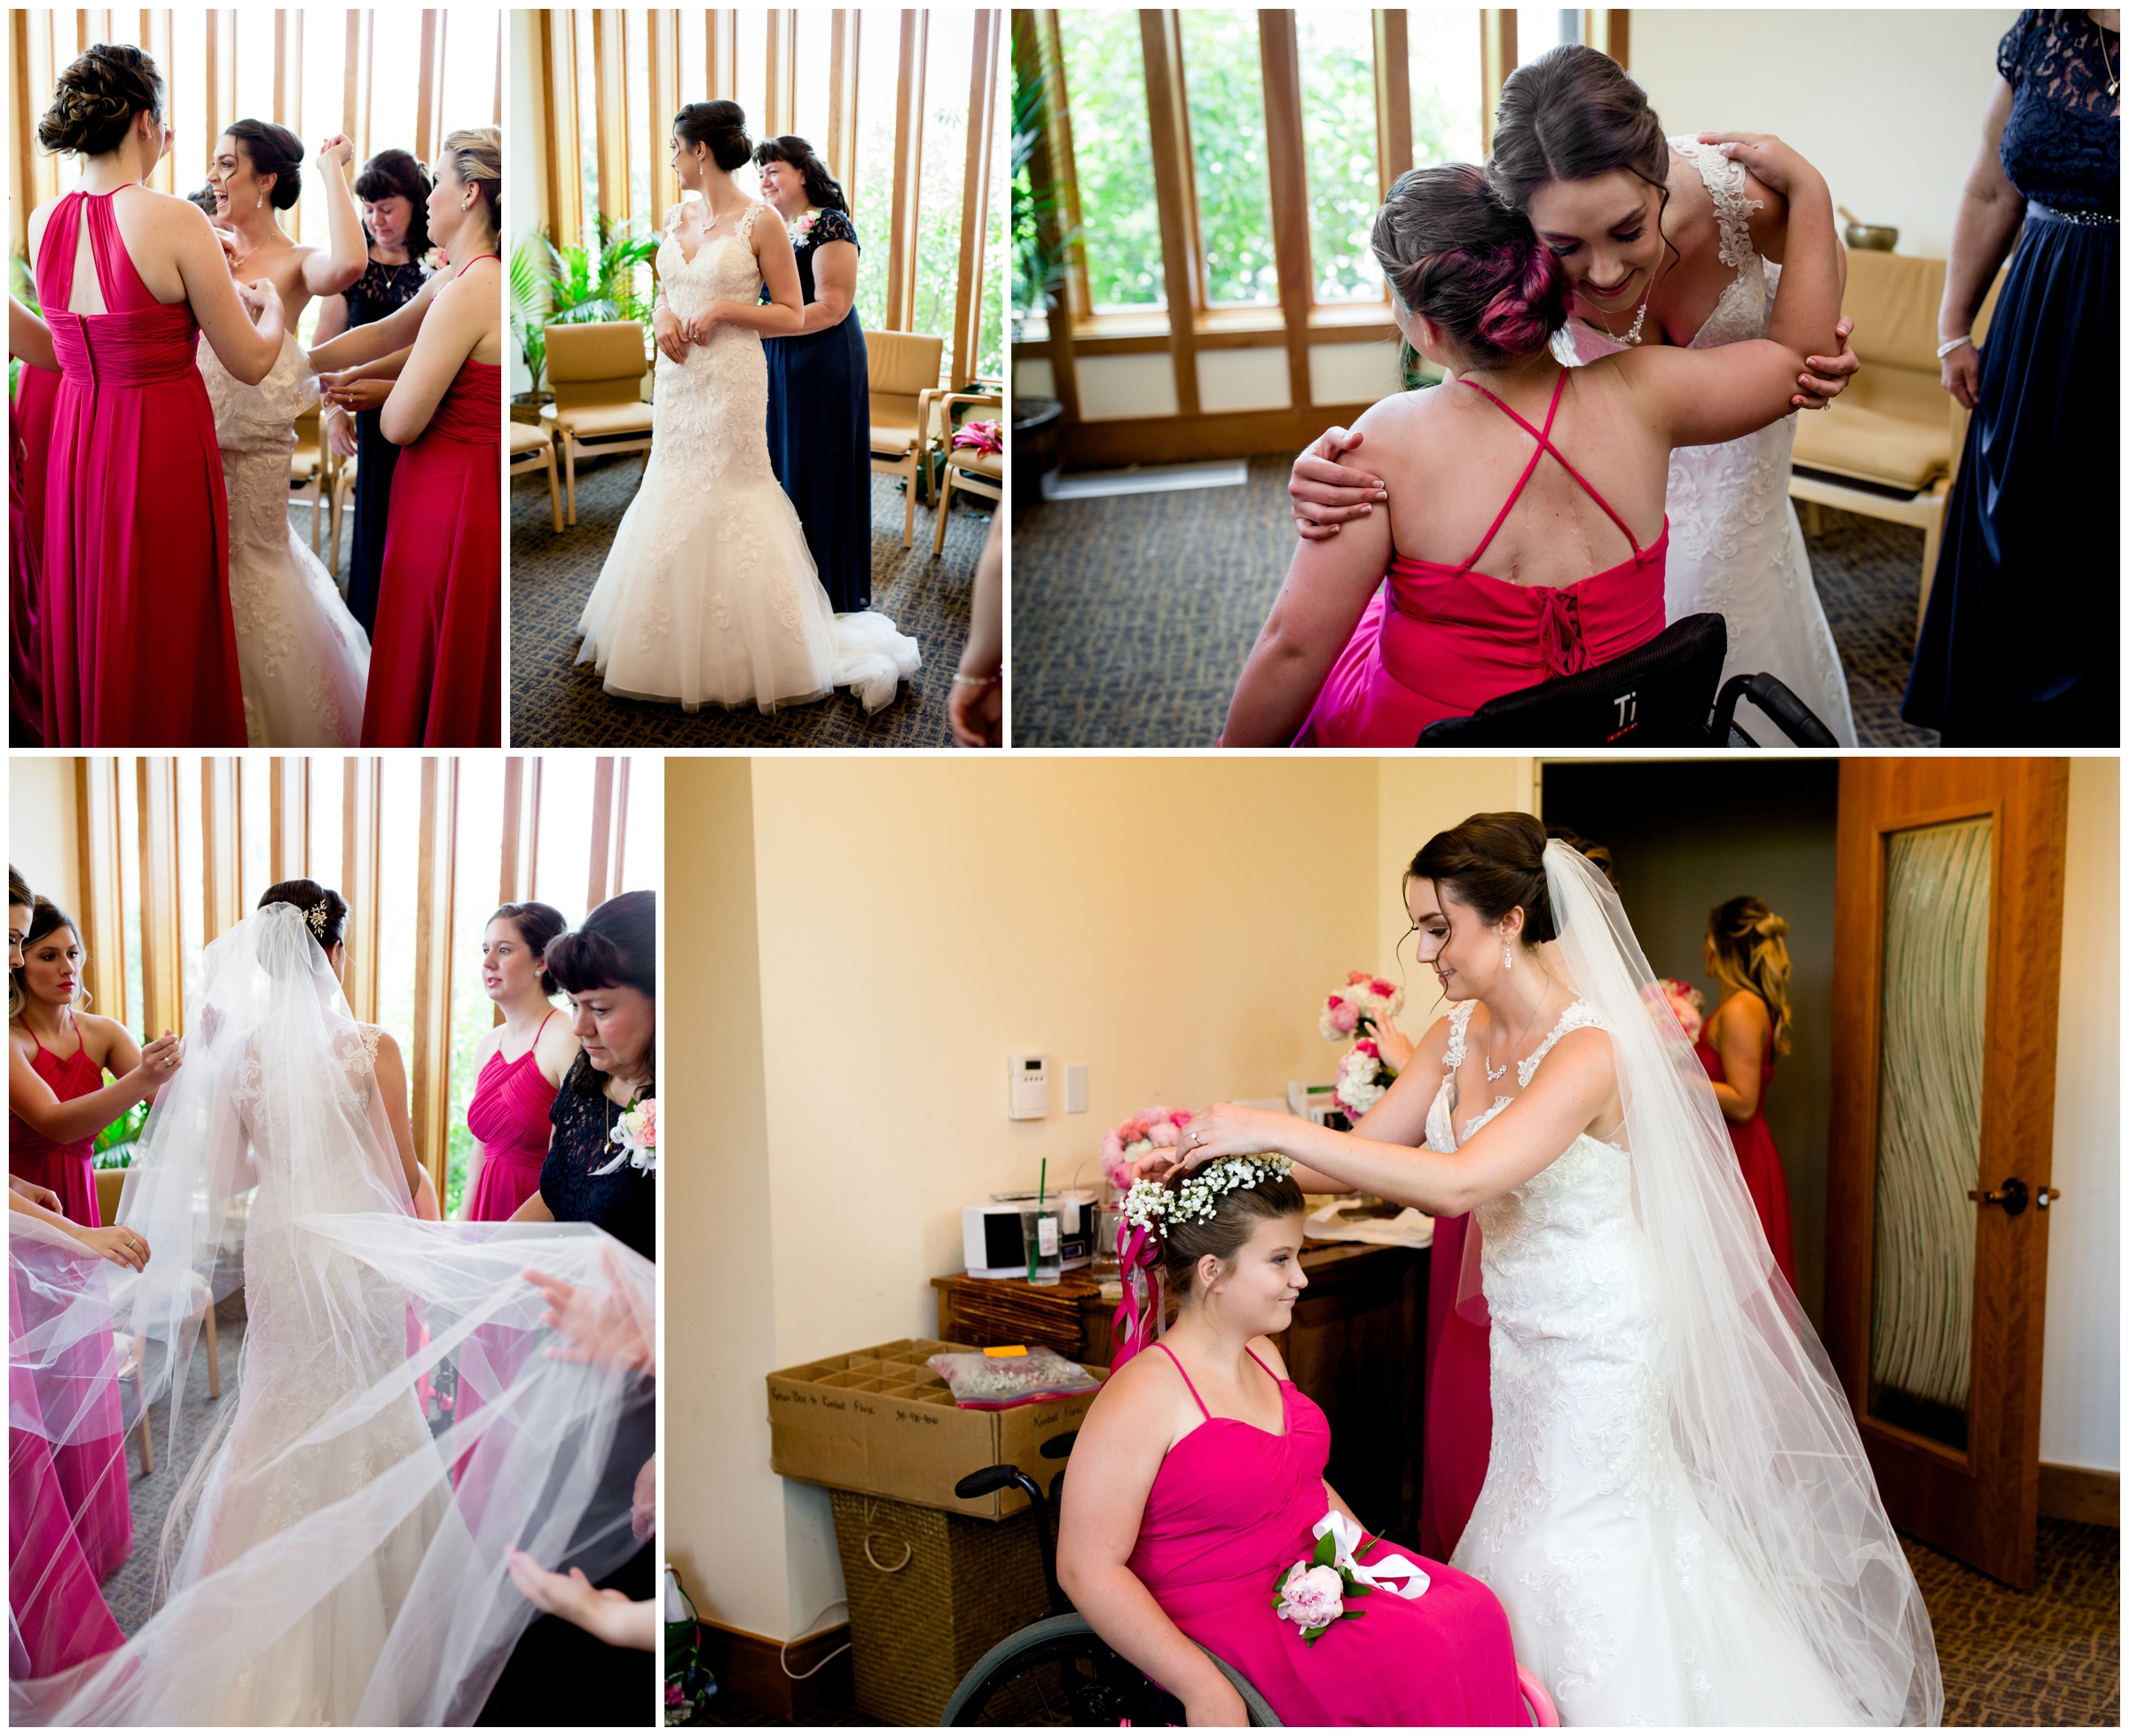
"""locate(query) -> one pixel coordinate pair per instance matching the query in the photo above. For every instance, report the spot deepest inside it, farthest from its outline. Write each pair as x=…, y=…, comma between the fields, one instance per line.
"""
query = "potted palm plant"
x=576, y=285
x=1042, y=243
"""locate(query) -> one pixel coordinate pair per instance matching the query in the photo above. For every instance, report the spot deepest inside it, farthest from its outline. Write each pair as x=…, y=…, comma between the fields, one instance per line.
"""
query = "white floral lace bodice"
x=1736, y=548
x=260, y=418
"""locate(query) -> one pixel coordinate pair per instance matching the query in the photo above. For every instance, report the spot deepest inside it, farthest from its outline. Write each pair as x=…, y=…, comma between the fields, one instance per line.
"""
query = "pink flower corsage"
x=1312, y=1594
x=802, y=227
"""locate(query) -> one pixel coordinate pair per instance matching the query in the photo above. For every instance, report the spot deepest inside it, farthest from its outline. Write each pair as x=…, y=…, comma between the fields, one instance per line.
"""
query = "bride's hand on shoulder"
x=670, y=336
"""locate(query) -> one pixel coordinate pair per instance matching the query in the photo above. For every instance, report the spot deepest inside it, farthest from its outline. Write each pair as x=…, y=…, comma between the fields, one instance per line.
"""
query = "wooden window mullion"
x=1280, y=45
x=562, y=214
x=362, y=798
x=1496, y=60
x=101, y=918
x=221, y=847
x=1036, y=46
x=602, y=814
x=1392, y=100
x=908, y=158
x=662, y=28
x=975, y=195
x=837, y=150
x=618, y=879
x=424, y=111
x=437, y=862
x=350, y=87
x=1175, y=195
x=162, y=920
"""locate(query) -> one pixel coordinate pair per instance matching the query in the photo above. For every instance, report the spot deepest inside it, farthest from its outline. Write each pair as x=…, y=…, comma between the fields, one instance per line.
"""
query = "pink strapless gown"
x=1231, y=1508
x=508, y=1115
x=1439, y=641
x=68, y=1170
x=139, y=646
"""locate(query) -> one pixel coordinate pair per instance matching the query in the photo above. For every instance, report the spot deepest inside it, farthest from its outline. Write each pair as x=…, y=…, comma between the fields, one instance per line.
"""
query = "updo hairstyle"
x=1236, y=1215
x=1494, y=862
x=397, y=174
x=1746, y=936
x=307, y=896
x=96, y=99
x=18, y=888
x=1572, y=114
x=821, y=188
x=536, y=925
x=272, y=150
x=721, y=126
x=1453, y=252
x=476, y=156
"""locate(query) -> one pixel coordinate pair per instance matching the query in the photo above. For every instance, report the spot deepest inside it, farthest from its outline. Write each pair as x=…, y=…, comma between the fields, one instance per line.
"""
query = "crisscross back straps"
x=1545, y=444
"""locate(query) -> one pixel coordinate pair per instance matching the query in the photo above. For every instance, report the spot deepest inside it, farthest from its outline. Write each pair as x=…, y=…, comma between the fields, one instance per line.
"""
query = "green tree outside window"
x=1338, y=134
x=1223, y=78
x=1112, y=157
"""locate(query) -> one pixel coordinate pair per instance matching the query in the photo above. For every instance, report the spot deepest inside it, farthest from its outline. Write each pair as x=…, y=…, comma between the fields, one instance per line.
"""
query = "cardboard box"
x=879, y=1422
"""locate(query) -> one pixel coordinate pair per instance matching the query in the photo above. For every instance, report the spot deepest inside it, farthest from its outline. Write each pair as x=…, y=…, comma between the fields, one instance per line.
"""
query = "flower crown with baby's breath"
x=1154, y=1206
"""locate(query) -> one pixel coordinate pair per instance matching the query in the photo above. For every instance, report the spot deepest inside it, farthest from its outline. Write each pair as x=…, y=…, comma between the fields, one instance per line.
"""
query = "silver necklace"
x=1501, y=1071
x=1633, y=331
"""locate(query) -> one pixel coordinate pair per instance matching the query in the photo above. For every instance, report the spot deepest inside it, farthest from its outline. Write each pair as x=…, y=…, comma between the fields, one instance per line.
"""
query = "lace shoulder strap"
x=672, y=219
x=1725, y=182
x=1459, y=1022
x=745, y=231
x=1578, y=1014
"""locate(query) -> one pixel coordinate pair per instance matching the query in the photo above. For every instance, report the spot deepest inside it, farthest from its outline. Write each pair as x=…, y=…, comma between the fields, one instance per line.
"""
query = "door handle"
x=2012, y=1196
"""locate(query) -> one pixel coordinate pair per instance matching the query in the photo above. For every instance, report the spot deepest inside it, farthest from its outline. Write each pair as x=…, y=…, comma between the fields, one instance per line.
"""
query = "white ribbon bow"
x=1393, y=1573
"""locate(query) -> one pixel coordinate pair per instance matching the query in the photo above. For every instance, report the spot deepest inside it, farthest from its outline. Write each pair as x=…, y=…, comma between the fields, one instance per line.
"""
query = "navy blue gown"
x=380, y=290
x=2020, y=647
x=820, y=434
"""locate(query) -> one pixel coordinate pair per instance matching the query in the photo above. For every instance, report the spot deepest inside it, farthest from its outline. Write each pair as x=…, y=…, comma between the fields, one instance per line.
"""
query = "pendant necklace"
x=1633, y=331
x=2114, y=83
x=1501, y=1071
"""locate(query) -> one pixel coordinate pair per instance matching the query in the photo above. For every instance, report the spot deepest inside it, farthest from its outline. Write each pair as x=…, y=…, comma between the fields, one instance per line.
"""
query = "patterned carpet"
x=1134, y=615
x=2051, y=1655
x=554, y=703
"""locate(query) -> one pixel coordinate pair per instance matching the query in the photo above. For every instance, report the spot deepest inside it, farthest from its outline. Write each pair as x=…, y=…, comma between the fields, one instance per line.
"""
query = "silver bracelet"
x=976, y=681
x=1945, y=349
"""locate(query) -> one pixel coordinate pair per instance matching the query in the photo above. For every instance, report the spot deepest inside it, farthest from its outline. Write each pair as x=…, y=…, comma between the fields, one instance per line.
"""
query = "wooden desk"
x=1357, y=1347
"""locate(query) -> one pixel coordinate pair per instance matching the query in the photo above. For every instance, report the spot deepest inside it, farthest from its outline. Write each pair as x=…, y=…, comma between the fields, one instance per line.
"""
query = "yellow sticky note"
x=1007, y=1350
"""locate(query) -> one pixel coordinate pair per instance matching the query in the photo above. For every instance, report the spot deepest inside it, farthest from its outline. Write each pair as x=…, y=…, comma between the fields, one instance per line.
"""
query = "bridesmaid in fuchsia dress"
x=508, y=1113
x=1197, y=1488
x=139, y=646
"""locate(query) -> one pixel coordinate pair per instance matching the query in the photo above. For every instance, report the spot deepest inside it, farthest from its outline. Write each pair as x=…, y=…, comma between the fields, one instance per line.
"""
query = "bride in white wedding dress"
x=338, y=1551
x=304, y=660
x=1678, y=1515
x=709, y=595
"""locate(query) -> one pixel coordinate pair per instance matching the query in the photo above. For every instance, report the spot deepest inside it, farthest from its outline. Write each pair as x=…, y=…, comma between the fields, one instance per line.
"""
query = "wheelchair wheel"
x=1058, y=1671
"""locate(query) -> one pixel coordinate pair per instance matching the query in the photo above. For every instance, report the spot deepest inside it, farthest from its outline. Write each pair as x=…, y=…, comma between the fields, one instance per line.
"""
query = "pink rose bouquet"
x=1125, y=1146
x=1686, y=1004
x=1358, y=1007
x=1363, y=1077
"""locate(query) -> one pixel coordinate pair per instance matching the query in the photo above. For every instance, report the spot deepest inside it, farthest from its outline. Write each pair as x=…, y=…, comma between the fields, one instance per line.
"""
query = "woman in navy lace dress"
x=2019, y=646
x=560, y=1676
x=394, y=191
x=819, y=393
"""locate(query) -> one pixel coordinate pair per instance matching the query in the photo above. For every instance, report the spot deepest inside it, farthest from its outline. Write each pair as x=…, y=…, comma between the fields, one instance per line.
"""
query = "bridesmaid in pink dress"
x=436, y=655
x=28, y=462
x=508, y=1113
x=1746, y=953
x=139, y=646
x=1196, y=1485
x=57, y=1099
x=1514, y=552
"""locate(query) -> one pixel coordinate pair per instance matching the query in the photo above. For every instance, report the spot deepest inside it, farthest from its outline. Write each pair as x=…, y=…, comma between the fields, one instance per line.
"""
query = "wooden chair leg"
x=213, y=1358
x=146, y=1433
x=946, y=503
x=338, y=510
x=909, y=508
x=553, y=491
x=569, y=452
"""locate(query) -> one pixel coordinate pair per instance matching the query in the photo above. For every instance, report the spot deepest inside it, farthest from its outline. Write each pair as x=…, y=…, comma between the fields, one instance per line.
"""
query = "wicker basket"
x=930, y=1593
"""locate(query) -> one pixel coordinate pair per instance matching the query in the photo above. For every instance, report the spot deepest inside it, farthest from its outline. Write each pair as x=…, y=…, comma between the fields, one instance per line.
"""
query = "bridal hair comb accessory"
x=315, y=916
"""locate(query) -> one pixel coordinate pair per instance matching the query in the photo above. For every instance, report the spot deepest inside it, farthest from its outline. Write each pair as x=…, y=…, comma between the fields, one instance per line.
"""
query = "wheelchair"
x=1657, y=696
x=1059, y=1671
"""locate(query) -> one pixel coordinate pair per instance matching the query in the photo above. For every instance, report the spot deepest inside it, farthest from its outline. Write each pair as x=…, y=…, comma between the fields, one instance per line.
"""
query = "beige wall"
x=2081, y=1368
x=42, y=839
x=1894, y=132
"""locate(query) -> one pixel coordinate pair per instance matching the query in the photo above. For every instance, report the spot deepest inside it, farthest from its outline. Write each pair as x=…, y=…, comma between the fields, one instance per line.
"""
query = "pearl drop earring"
x=1507, y=953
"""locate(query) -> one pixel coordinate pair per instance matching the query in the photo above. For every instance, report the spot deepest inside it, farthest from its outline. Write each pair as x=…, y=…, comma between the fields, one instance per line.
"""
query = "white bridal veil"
x=336, y=1542
x=1760, y=1423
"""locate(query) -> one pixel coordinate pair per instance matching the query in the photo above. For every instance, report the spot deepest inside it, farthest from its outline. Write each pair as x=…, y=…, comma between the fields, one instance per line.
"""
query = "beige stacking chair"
x=596, y=372
x=904, y=372
x=533, y=448
x=979, y=473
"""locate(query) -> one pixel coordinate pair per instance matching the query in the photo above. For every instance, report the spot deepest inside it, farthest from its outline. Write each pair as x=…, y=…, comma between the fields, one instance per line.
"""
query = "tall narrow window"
x=470, y=68
x=1338, y=134
x=398, y=897
x=195, y=130
x=643, y=862
x=694, y=61
x=192, y=875
x=254, y=797
x=990, y=336
x=1105, y=95
x=255, y=69
x=587, y=121
x=879, y=69
x=638, y=135
x=810, y=84
x=129, y=900
x=395, y=81
x=480, y=856
x=751, y=90
x=1445, y=79
x=324, y=99
x=949, y=43
x=327, y=779
x=1223, y=76
x=565, y=832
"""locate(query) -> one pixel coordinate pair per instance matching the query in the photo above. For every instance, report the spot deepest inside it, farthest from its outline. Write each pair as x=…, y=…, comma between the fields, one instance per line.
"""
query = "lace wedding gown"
x=1619, y=1597
x=304, y=660
x=709, y=595
x=1736, y=546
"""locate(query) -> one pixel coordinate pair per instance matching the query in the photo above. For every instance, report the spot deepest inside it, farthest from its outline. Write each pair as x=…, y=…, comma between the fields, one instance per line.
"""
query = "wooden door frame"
x=1929, y=1488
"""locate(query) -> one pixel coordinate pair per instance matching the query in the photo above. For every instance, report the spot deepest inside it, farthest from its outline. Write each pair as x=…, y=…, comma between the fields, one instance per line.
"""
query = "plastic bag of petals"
x=1012, y=1374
